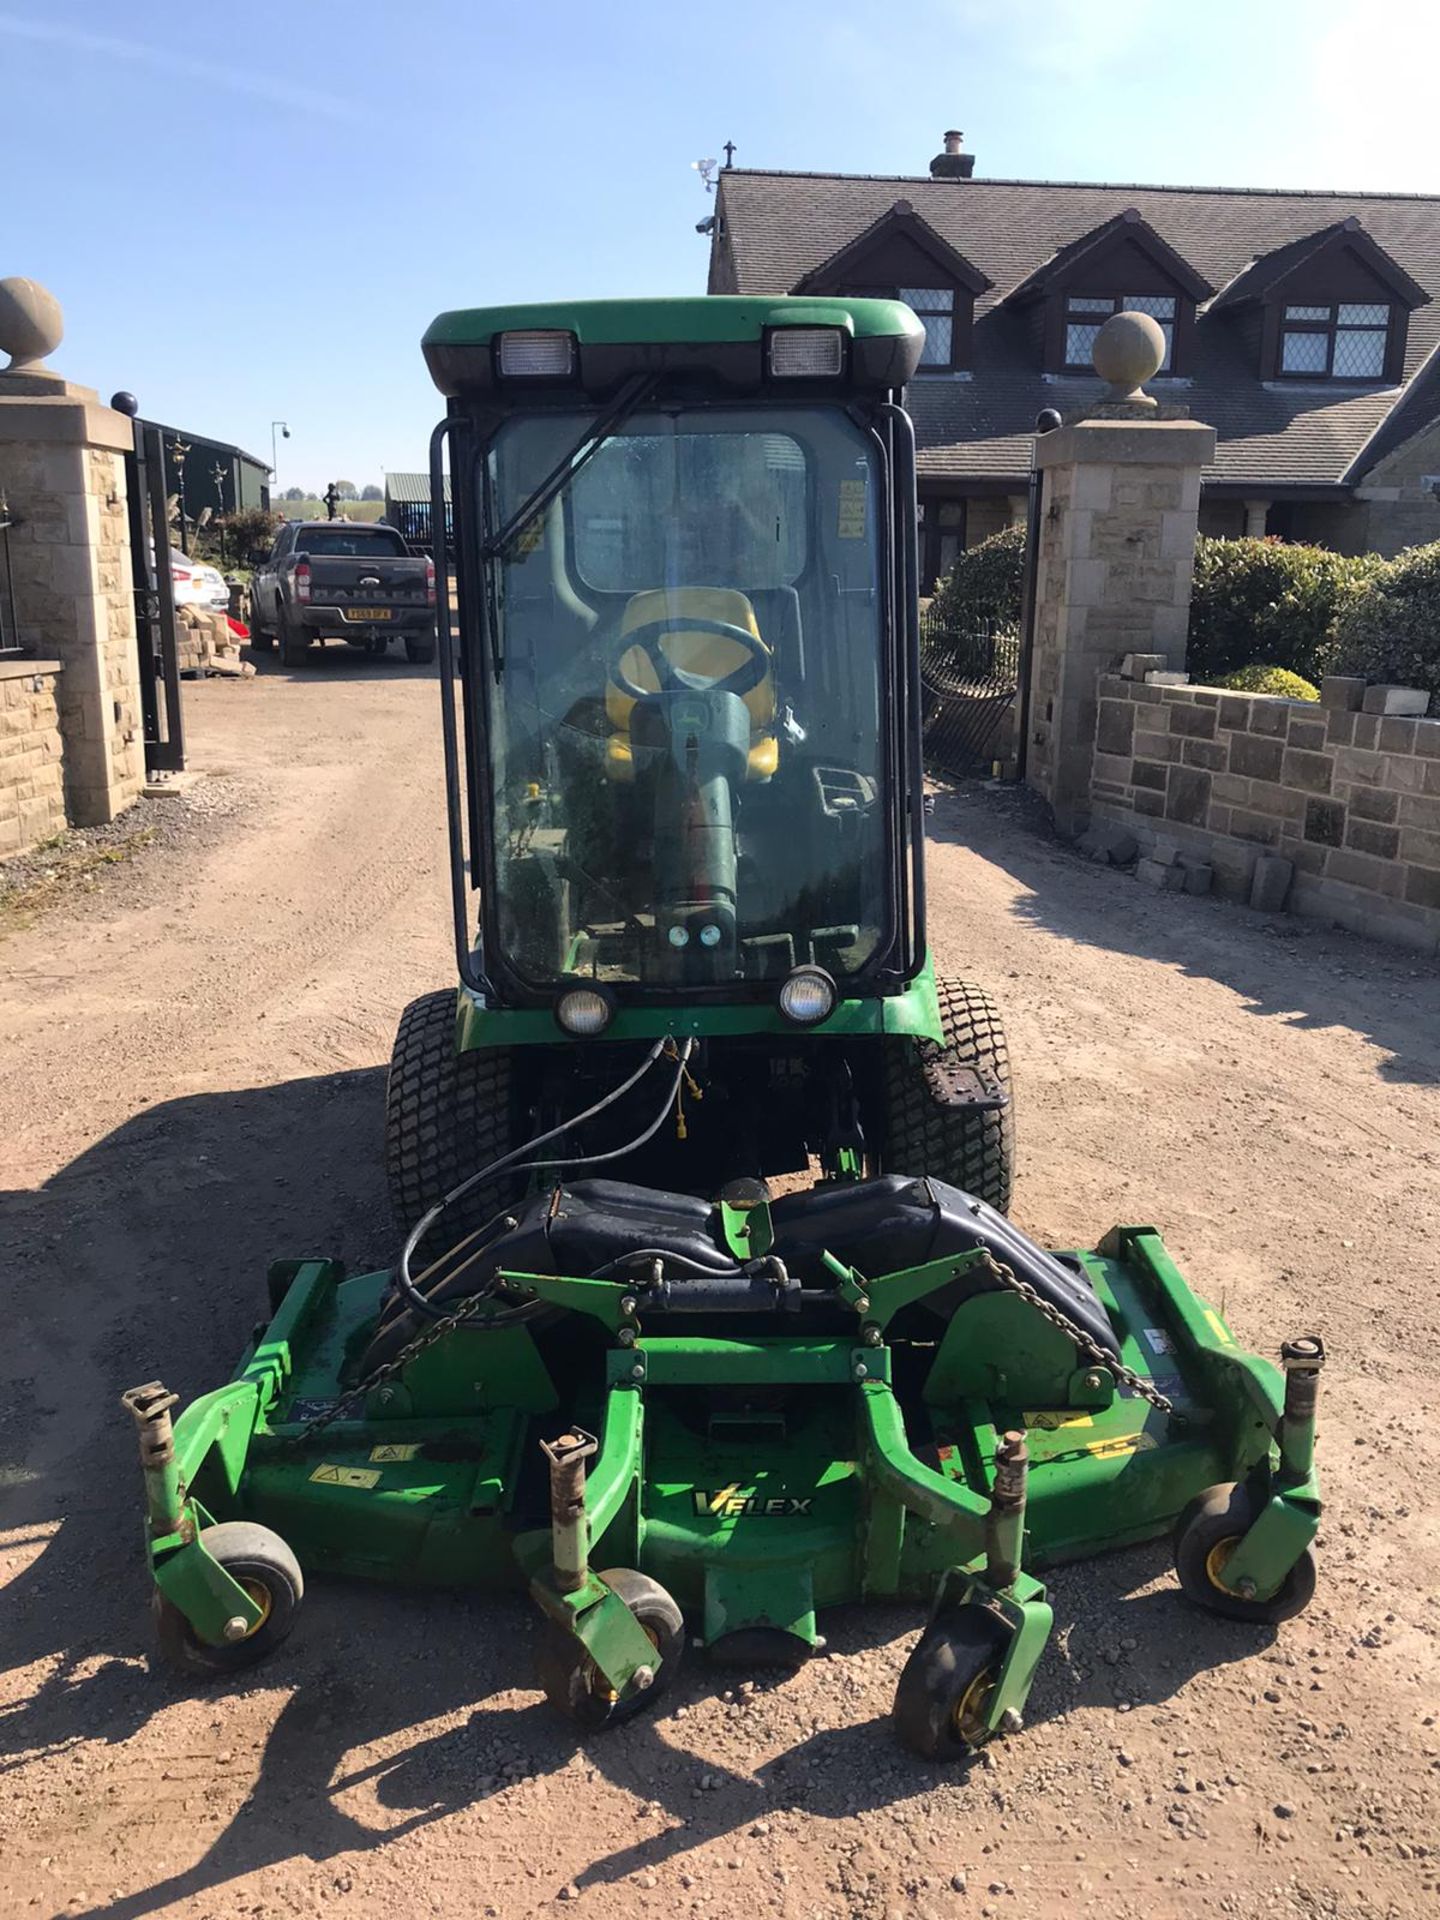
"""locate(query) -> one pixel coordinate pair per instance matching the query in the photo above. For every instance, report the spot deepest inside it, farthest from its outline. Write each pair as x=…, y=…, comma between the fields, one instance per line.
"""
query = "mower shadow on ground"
x=1283, y=967
x=368, y=1667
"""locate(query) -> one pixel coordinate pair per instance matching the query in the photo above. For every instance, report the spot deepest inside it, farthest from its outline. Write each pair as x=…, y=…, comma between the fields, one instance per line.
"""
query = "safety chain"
x=363, y=1388
x=1089, y=1349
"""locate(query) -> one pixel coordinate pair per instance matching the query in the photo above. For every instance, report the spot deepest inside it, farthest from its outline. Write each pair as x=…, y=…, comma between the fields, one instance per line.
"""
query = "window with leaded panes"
x=935, y=308
x=1342, y=341
x=1086, y=314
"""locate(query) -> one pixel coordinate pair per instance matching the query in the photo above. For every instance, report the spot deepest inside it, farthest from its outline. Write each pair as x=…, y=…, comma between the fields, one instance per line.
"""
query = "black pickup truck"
x=342, y=580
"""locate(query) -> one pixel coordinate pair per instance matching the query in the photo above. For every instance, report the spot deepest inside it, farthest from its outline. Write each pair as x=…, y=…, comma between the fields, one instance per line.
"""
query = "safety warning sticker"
x=1159, y=1340
x=328, y=1476
x=852, y=510
x=395, y=1452
x=1121, y=1443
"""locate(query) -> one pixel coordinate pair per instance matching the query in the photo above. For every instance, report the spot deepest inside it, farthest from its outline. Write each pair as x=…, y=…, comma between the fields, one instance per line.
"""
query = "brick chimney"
x=952, y=164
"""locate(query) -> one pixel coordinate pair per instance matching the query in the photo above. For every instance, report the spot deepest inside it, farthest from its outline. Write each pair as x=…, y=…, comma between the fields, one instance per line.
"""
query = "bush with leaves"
x=247, y=536
x=981, y=593
x=1264, y=601
x=1391, y=633
x=1290, y=686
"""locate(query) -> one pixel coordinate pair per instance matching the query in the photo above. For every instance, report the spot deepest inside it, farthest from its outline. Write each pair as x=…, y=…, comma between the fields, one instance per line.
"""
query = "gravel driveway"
x=193, y=1059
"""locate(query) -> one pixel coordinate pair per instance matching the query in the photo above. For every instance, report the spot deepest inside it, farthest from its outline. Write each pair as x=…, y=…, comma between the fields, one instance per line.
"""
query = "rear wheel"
x=927, y=1129
x=294, y=643
x=259, y=638
x=447, y=1114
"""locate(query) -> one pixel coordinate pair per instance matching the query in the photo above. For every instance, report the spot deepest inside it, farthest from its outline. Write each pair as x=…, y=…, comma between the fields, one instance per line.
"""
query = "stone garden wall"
x=32, y=770
x=1350, y=799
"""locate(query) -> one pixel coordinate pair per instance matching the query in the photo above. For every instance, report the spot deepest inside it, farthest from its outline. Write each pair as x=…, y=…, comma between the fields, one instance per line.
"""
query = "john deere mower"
x=708, y=1309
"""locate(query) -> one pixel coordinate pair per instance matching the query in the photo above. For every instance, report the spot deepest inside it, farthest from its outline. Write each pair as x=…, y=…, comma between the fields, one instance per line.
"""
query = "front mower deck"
x=881, y=1449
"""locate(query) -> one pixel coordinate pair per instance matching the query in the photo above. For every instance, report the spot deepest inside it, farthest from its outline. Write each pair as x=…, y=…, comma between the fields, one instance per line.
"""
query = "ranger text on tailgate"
x=342, y=580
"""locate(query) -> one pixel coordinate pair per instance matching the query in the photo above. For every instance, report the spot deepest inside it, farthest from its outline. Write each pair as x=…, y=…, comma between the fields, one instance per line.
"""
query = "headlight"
x=807, y=996
x=584, y=1011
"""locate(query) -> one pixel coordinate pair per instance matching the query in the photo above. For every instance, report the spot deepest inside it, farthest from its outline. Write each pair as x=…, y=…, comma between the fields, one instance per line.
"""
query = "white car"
x=197, y=585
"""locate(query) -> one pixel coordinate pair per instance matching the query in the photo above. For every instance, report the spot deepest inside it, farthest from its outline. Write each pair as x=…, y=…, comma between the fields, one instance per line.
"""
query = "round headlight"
x=584, y=1011
x=807, y=996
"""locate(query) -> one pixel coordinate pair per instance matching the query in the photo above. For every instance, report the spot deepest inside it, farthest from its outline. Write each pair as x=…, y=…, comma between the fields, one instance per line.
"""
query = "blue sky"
x=251, y=212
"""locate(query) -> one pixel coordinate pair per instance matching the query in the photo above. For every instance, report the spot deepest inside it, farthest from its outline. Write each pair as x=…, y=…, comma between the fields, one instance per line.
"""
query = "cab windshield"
x=686, y=750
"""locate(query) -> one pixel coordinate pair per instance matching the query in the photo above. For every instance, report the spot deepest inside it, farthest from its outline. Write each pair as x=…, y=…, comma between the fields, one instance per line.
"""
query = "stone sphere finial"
x=1129, y=350
x=31, y=324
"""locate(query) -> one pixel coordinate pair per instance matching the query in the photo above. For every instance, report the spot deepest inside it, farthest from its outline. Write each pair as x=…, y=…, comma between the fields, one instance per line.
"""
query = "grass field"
x=315, y=509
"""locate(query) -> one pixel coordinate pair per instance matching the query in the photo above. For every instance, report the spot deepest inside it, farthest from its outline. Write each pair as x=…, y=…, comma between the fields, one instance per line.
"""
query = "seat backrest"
x=709, y=654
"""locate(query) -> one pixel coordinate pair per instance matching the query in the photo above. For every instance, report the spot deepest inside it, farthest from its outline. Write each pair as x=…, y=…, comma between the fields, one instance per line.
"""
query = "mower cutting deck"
x=937, y=1429
x=681, y=718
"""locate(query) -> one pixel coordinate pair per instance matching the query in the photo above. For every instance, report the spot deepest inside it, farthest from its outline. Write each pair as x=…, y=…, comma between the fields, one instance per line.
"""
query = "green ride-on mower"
x=680, y=701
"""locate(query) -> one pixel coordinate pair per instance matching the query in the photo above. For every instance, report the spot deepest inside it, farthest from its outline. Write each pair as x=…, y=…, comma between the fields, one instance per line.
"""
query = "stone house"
x=1304, y=327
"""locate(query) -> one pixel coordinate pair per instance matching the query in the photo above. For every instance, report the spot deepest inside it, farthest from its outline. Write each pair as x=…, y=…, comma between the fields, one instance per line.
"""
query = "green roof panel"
x=687, y=334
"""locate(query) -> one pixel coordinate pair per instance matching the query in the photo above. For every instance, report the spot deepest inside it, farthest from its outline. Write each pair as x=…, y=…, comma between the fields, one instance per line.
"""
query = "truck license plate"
x=368, y=613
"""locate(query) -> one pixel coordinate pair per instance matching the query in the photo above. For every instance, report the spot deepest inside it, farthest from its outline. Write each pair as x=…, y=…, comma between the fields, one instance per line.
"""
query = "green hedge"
x=1391, y=633
x=1270, y=680
x=981, y=592
x=1254, y=601
x=1263, y=601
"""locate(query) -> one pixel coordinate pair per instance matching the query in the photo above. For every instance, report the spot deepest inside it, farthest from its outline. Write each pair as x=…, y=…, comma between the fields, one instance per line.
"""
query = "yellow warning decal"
x=851, y=521
x=394, y=1452
x=346, y=1476
x=1121, y=1443
x=1054, y=1422
x=1218, y=1328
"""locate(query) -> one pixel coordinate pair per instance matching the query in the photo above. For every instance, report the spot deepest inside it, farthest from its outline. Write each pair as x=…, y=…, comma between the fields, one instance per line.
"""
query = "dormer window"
x=935, y=309
x=1086, y=314
x=1335, y=342
x=899, y=256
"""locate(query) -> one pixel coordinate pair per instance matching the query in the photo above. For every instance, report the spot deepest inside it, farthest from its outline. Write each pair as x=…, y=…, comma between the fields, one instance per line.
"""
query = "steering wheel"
x=672, y=679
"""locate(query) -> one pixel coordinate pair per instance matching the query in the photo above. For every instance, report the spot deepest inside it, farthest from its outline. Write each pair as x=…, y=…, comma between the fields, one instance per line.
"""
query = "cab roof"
x=722, y=335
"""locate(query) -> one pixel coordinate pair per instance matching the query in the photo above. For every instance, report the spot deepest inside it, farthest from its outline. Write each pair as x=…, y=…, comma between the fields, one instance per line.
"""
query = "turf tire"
x=569, y=1680
x=1213, y=1519
x=941, y=1691
x=924, y=1135
x=447, y=1114
x=258, y=1558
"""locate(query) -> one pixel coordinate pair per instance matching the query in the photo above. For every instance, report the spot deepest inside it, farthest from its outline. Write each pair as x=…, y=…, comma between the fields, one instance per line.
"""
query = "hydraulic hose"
x=419, y=1302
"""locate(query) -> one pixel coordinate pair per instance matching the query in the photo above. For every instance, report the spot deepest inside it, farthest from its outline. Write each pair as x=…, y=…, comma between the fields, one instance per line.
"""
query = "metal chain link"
x=1006, y=1275
x=1089, y=1348
x=363, y=1388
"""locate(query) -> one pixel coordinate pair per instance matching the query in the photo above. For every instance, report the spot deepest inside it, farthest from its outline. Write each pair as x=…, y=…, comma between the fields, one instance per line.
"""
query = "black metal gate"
x=968, y=684
x=154, y=596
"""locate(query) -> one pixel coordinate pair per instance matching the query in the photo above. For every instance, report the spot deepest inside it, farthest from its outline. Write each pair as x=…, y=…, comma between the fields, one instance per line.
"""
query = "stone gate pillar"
x=1120, y=503
x=63, y=477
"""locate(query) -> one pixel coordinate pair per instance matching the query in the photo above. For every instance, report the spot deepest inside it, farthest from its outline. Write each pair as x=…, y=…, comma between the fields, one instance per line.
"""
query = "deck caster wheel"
x=946, y=1684
x=576, y=1687
x=1206, y=1534
x=270, y=1574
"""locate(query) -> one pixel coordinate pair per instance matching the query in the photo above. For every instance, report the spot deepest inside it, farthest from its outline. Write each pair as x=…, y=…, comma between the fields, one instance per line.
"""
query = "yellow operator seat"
x=709, y=655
